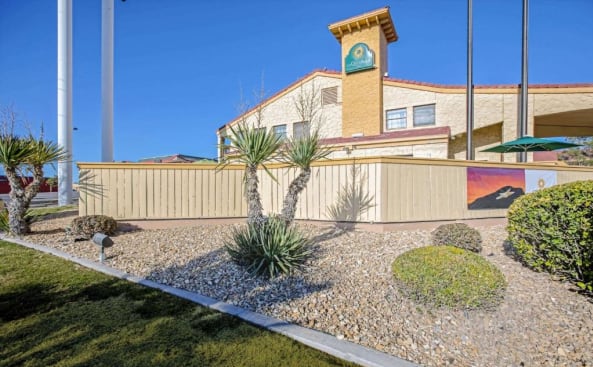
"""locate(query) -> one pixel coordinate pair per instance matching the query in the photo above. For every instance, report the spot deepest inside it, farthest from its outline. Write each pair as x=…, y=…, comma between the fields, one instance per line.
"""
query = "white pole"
x=65, y=99
x=107, y=81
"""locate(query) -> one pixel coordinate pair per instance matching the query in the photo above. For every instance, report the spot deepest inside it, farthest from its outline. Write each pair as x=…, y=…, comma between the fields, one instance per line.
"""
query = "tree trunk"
x=292, y=196
x=17, y=225
x=254, y=206
x=20, y=199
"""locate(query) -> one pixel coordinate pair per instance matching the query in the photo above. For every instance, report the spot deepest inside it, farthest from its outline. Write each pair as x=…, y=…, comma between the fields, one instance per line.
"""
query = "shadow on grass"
x=76, y=317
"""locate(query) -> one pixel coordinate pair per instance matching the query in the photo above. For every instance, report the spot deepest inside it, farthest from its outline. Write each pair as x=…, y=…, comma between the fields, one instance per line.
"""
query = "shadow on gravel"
x=215, y=275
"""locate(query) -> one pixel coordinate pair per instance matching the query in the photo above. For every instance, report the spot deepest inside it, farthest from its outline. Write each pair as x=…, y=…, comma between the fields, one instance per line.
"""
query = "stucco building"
x=361, y=111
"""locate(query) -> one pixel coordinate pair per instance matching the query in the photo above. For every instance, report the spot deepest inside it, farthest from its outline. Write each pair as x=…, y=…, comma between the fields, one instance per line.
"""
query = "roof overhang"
x=380, y=17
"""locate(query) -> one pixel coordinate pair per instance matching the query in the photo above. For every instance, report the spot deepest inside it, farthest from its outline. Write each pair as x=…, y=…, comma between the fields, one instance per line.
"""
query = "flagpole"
x=524, y=83
x=470, y=84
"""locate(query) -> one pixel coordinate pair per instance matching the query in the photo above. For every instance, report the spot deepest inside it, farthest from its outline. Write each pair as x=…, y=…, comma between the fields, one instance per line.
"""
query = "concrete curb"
x=324, y=342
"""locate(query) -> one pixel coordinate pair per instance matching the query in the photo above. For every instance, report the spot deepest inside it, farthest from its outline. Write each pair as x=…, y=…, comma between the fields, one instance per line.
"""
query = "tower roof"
x=380, y=17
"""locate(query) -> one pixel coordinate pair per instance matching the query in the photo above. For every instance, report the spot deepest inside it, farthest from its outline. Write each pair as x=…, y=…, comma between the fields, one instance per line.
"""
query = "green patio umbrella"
x=530, y=144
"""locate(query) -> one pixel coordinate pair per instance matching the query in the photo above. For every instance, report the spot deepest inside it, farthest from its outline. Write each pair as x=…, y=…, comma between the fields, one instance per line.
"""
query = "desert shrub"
x=270, y=248
x=86, y=226
x=449, y=276
x=459, y=235
x=552, y=230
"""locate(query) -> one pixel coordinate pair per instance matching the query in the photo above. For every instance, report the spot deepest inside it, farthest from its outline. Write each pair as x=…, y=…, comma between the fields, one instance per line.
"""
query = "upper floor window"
x=396, y=119
x=280, y=131
x=424, y=115
x=300, y=130
x=329, y=96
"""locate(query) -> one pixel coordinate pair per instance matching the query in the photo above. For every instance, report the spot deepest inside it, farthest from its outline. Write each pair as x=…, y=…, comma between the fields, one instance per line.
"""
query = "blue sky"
x=180, y=65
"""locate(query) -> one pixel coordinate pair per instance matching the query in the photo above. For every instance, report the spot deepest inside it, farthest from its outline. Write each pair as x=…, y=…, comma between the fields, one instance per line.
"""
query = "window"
x=329, y=96
x=424, y=115
x=396, y=119
x=280, y=131
x=300, y=130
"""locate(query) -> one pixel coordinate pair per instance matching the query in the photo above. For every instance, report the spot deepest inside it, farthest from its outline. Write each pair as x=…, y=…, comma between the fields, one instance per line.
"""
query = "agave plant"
x=270, y=248
x=253, y=148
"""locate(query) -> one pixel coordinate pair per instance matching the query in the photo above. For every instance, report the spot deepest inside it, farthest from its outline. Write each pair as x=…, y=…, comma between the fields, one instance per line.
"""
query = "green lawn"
x=57, y=313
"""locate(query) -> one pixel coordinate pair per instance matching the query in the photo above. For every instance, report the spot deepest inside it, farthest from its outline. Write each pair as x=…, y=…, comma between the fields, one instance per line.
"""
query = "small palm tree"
x=18, y=154
x=300, y=153
x=253, y=148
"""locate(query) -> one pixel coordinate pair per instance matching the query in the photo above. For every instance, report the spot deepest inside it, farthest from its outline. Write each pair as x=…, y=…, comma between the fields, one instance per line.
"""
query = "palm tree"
x=300, y=153
x=17, y=154
x=253, y=148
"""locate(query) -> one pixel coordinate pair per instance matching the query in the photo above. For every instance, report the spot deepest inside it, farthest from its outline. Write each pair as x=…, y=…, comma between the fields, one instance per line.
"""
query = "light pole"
x=107, y=20
x=64, y=92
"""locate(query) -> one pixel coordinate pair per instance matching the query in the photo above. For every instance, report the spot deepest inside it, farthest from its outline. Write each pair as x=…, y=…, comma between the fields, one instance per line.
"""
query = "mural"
x=494, y=188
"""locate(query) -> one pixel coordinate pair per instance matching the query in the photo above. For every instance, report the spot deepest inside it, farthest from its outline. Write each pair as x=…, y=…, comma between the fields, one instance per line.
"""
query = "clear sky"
x=180, y=65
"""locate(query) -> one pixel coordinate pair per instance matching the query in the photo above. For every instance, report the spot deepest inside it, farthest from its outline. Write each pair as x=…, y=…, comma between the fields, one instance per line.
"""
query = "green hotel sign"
x=360, y=57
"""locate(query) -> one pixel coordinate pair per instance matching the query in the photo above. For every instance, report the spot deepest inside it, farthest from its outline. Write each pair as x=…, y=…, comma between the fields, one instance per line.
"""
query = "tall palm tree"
x=17, y=154
x=253, y=148
x=300, y=153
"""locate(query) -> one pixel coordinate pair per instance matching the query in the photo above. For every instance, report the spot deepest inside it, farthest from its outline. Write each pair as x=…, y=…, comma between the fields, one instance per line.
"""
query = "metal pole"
x=524, y=83
x=470, y=84
x=64, y=97
x=107, y=81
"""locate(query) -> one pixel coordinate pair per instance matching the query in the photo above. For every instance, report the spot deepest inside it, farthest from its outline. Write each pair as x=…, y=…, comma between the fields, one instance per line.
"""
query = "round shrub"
x=459, y=235
x=269, y=248
x=86, y=226
x=449, y=276
x=552, y=230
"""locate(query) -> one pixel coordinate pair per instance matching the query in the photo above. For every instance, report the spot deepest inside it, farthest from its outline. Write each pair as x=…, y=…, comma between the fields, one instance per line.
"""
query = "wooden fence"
x=372, y=190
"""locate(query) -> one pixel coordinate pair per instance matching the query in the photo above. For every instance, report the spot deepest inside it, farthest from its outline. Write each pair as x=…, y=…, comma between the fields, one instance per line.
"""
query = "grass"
x=449, y=276
x=57, y=313
x=40, y=213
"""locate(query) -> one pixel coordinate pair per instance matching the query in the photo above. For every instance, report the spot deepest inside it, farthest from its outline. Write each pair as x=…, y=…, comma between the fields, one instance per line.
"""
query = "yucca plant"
x=19, y=154
x=300, y=153
x=253, y=148
x=269, y=248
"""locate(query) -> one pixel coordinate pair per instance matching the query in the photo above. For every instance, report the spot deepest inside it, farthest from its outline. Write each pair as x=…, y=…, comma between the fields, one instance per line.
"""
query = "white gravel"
x=348, y=291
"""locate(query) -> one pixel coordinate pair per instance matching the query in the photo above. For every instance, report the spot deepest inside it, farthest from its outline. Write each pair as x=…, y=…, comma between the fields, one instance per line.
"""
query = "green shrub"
x=270, y=248
x=86, y=226
x=552, y=230
x=459, y=235
x=449, y=276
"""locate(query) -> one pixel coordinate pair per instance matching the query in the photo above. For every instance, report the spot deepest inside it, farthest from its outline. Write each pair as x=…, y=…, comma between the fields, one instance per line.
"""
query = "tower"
x=364, y=41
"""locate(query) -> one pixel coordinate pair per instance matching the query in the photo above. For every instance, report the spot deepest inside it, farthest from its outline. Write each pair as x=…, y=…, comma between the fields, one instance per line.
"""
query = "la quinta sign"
x=360, y=57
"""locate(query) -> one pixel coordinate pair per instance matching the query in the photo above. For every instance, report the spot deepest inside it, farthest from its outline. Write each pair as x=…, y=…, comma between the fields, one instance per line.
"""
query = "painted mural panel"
x=538, y=179
x=494, y=188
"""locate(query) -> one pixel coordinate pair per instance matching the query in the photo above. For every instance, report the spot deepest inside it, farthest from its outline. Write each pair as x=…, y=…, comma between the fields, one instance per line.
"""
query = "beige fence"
x=380, y=190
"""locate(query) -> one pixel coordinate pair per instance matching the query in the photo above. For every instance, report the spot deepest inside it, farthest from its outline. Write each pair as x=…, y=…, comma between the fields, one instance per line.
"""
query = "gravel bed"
x=348, y=291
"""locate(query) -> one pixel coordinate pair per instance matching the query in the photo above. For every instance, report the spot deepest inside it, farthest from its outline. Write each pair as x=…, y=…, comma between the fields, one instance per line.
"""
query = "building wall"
x=495, y=114
x=282, y=109
x=363, y=90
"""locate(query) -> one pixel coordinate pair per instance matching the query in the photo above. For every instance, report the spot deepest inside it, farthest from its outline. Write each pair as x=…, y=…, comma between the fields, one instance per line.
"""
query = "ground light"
x=102, y=240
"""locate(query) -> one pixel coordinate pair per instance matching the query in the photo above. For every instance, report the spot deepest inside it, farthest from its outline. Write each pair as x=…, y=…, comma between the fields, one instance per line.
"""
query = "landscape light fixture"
x=102, y=240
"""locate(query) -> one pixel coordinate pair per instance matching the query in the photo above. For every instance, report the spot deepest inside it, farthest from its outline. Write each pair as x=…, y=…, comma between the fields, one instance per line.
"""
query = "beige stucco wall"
x=495, y=114
x=282, y=109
